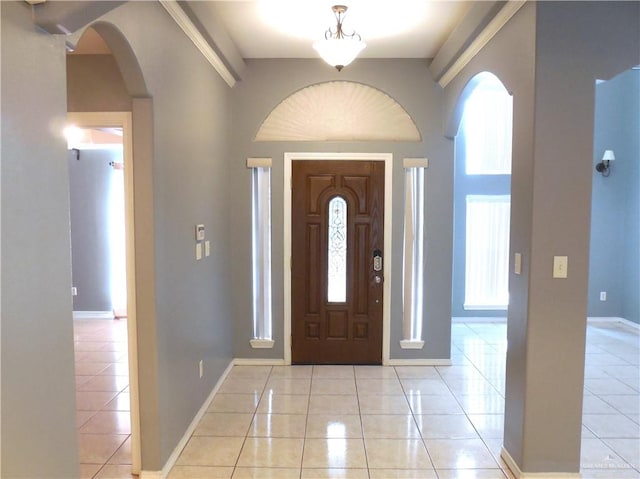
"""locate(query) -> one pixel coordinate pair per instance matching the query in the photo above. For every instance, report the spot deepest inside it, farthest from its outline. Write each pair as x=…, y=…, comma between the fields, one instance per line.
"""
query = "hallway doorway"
x=106, y=349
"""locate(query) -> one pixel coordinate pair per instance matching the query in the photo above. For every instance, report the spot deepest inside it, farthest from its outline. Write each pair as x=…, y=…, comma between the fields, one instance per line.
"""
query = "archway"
x=482, y=199
x=106, y=89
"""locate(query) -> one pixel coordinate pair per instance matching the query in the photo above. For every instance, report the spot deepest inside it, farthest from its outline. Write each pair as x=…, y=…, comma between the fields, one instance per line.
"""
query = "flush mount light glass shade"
x=339, y=52
x=608, y=156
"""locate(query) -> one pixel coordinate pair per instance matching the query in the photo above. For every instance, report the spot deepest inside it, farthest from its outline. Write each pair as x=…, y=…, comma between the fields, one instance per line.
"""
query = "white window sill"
x=485, y=307
x=262, y=343
x=411, y=344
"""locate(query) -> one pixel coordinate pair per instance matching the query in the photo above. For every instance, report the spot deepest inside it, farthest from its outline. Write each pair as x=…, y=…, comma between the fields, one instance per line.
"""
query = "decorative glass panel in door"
x=337, y=251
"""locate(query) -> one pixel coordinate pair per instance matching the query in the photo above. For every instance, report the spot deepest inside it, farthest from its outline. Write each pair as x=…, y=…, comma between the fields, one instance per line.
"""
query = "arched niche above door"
x=338, y=111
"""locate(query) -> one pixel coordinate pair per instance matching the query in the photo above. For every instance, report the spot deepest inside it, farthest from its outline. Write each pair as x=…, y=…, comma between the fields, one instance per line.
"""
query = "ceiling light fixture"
x=339, y=49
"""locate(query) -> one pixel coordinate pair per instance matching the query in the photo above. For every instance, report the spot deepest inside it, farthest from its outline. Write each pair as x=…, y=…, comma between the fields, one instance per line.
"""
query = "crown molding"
x=184, y=22
x=494, y=26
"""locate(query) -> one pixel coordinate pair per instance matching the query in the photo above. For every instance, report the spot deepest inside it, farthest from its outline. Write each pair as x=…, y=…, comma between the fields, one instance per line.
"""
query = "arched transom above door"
x=338, y=111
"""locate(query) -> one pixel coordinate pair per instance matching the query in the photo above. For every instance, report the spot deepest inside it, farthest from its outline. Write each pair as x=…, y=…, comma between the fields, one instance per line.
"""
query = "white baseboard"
x=187, y=434
x=418, y=362
x=93, y=315
x=613, y=319
x=515, y=469
x=258, y=362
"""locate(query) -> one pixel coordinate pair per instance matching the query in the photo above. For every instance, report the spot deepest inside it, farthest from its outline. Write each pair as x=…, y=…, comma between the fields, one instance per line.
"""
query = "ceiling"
x=288, y=28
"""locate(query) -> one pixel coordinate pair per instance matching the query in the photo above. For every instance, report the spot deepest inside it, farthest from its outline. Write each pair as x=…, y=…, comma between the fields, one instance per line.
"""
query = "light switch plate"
x=517, y=264
x=207, y=248
x=198, y=251
x=560, y=266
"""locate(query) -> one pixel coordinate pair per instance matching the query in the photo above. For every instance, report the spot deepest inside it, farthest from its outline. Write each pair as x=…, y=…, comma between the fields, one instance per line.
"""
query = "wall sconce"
x=603, y=167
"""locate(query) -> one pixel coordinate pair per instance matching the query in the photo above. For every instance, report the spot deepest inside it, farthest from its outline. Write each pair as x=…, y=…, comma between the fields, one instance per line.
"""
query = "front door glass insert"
x=337, y=251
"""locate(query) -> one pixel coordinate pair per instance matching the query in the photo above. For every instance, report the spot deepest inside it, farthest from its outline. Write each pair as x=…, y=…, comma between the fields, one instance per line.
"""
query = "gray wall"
x=265, y=84
x=38, y=388
x=548, y=56
x=614, y=262
x=90, y=179
x=94, y=83
x=191, y=126
x=191, y=130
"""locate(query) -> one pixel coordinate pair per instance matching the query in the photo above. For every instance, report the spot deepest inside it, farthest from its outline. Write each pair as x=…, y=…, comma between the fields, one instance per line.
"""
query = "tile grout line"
x=253, y=418
x=364, y=442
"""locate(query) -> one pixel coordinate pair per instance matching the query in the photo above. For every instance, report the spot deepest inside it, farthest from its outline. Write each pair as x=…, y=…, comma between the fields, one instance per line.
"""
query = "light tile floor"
x=102, y=398
x=309, y=422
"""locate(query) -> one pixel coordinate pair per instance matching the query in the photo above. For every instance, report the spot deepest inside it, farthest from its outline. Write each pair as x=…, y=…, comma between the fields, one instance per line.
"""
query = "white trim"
x=418, y=362
x=262, y=343
x=415, y=163
x=513, y=467
x=189, y=432
x=411, y=344
x=613, y=319
x=93, y=315
x=123, y=119
x=187, y=26
x=259, y=162
x=388, y=184
x=259, y=362
x=494, y=26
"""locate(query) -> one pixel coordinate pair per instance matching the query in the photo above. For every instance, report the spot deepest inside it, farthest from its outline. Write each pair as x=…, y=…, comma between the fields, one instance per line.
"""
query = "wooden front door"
x=337, y=229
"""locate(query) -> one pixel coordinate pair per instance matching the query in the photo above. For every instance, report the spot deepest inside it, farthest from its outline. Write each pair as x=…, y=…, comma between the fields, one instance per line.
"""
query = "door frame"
x=386, y=297
x=123, y=119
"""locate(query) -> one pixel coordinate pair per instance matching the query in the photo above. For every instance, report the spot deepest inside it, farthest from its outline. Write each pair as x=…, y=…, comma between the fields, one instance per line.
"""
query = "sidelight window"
x=337, y=251
x=413, y=278
x=261, y=250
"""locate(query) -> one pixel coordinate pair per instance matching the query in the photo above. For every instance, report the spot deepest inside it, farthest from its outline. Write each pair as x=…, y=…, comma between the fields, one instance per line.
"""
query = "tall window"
x=485, y=134
x=261, y=250
x=487, y=252
x=487, y=129
x=413, y=278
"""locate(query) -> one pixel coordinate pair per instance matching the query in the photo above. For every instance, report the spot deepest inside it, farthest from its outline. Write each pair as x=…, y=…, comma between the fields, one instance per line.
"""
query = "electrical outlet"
x=201, y=367
x=603, y=295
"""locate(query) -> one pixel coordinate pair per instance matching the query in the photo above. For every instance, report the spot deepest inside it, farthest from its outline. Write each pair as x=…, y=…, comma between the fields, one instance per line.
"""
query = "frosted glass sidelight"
x=337, y=251
x=261, y=250
x=413, y=296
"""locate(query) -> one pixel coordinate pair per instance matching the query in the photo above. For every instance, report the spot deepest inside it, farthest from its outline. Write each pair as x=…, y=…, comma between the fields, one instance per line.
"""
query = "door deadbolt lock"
x=377, y=260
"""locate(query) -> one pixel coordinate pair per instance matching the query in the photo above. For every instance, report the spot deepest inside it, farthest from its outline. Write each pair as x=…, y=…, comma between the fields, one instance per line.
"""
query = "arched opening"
x=482, y=182
x=106, y=94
